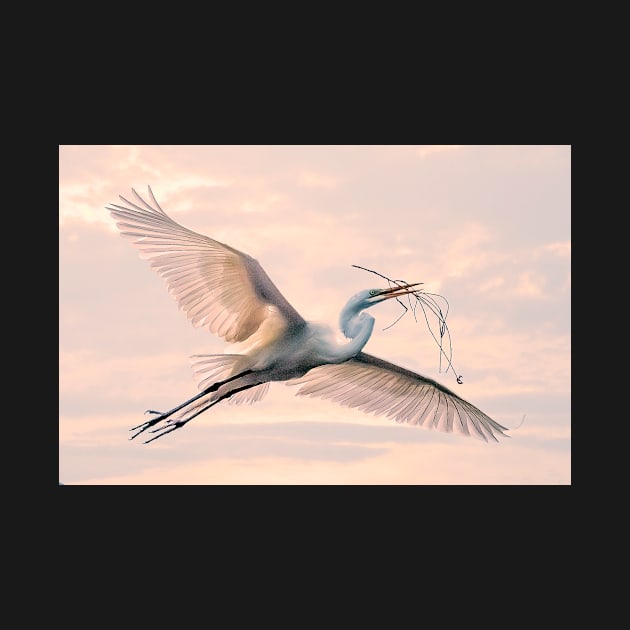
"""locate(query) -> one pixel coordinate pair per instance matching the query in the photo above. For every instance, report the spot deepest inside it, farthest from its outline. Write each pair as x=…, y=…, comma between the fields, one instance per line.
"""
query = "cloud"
x=77, y=200
x=471, y=462
x=526, y=286
x=488, y=227
x=264, y=203
x=562, y=249
x=310, y=179
x=134, y=159
x=431, y=149
x=471, y=249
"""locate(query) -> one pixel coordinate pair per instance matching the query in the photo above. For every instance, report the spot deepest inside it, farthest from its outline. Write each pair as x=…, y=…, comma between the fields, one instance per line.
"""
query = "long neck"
x=357, y=327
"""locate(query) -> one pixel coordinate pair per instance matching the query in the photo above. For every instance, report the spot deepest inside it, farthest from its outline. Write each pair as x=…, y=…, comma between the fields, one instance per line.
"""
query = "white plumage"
x=228, y=293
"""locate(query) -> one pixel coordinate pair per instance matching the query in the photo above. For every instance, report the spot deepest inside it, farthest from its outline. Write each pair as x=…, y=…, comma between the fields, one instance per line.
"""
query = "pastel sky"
x=488, y=227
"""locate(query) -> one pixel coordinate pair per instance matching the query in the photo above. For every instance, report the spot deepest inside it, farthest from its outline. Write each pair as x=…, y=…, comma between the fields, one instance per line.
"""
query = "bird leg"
x=171, y=426
x=164, y=415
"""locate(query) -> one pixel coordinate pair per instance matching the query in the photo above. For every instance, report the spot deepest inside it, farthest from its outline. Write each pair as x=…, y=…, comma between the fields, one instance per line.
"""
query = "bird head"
x=370, y=297
x=352, y=318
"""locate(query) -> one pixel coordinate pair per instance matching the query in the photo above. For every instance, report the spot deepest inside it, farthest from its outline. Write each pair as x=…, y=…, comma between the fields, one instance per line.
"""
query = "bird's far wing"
x=218, y=287
x=374, y=385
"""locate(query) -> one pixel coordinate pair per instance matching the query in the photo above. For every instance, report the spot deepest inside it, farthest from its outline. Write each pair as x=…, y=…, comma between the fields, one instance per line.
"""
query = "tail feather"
x=210, y=368
x=249, y=396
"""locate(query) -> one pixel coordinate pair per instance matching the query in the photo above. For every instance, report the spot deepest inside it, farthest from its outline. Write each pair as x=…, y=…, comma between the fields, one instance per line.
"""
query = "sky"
x=487, y=227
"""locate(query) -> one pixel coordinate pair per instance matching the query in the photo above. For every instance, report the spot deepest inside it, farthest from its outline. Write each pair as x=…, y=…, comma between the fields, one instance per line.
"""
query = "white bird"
x=229, y=293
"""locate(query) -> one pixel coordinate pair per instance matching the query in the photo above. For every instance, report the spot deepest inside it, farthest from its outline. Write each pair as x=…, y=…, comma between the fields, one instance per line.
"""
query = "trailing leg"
x=164, y=415
x=171, y=425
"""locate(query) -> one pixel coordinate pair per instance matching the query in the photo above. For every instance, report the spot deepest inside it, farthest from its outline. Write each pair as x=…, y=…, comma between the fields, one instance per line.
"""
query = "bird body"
x=229, y=293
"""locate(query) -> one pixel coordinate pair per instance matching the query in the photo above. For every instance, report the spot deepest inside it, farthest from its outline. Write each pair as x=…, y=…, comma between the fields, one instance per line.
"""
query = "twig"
x=429, y=301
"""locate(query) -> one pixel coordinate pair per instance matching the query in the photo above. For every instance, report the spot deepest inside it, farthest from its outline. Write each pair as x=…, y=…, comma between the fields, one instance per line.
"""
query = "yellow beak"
x=394, y=292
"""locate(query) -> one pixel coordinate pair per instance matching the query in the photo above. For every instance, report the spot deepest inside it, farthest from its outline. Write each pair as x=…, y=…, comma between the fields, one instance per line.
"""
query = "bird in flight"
x=227, y=292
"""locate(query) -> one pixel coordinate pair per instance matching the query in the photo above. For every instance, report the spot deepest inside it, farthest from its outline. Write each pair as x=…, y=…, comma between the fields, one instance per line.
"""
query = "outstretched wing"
x=218, y=287
x=374, y=385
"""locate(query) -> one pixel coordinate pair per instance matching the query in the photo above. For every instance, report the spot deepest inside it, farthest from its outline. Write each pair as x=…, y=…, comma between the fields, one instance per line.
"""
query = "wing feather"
x=376, y=386
x=218, y=287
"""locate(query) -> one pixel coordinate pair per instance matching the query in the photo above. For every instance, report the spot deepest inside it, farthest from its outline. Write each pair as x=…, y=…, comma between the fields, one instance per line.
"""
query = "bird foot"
x=166, y=428
x=149, y=423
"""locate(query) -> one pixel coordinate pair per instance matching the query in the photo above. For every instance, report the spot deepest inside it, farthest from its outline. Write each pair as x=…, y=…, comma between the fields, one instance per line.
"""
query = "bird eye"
x=373, y=291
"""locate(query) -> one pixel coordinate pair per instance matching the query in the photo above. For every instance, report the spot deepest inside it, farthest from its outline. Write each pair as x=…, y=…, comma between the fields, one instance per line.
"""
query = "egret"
x=227, y=292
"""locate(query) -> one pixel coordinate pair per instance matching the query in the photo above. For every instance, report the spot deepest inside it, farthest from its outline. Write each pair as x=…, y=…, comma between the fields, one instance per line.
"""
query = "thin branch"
x=429, y=301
